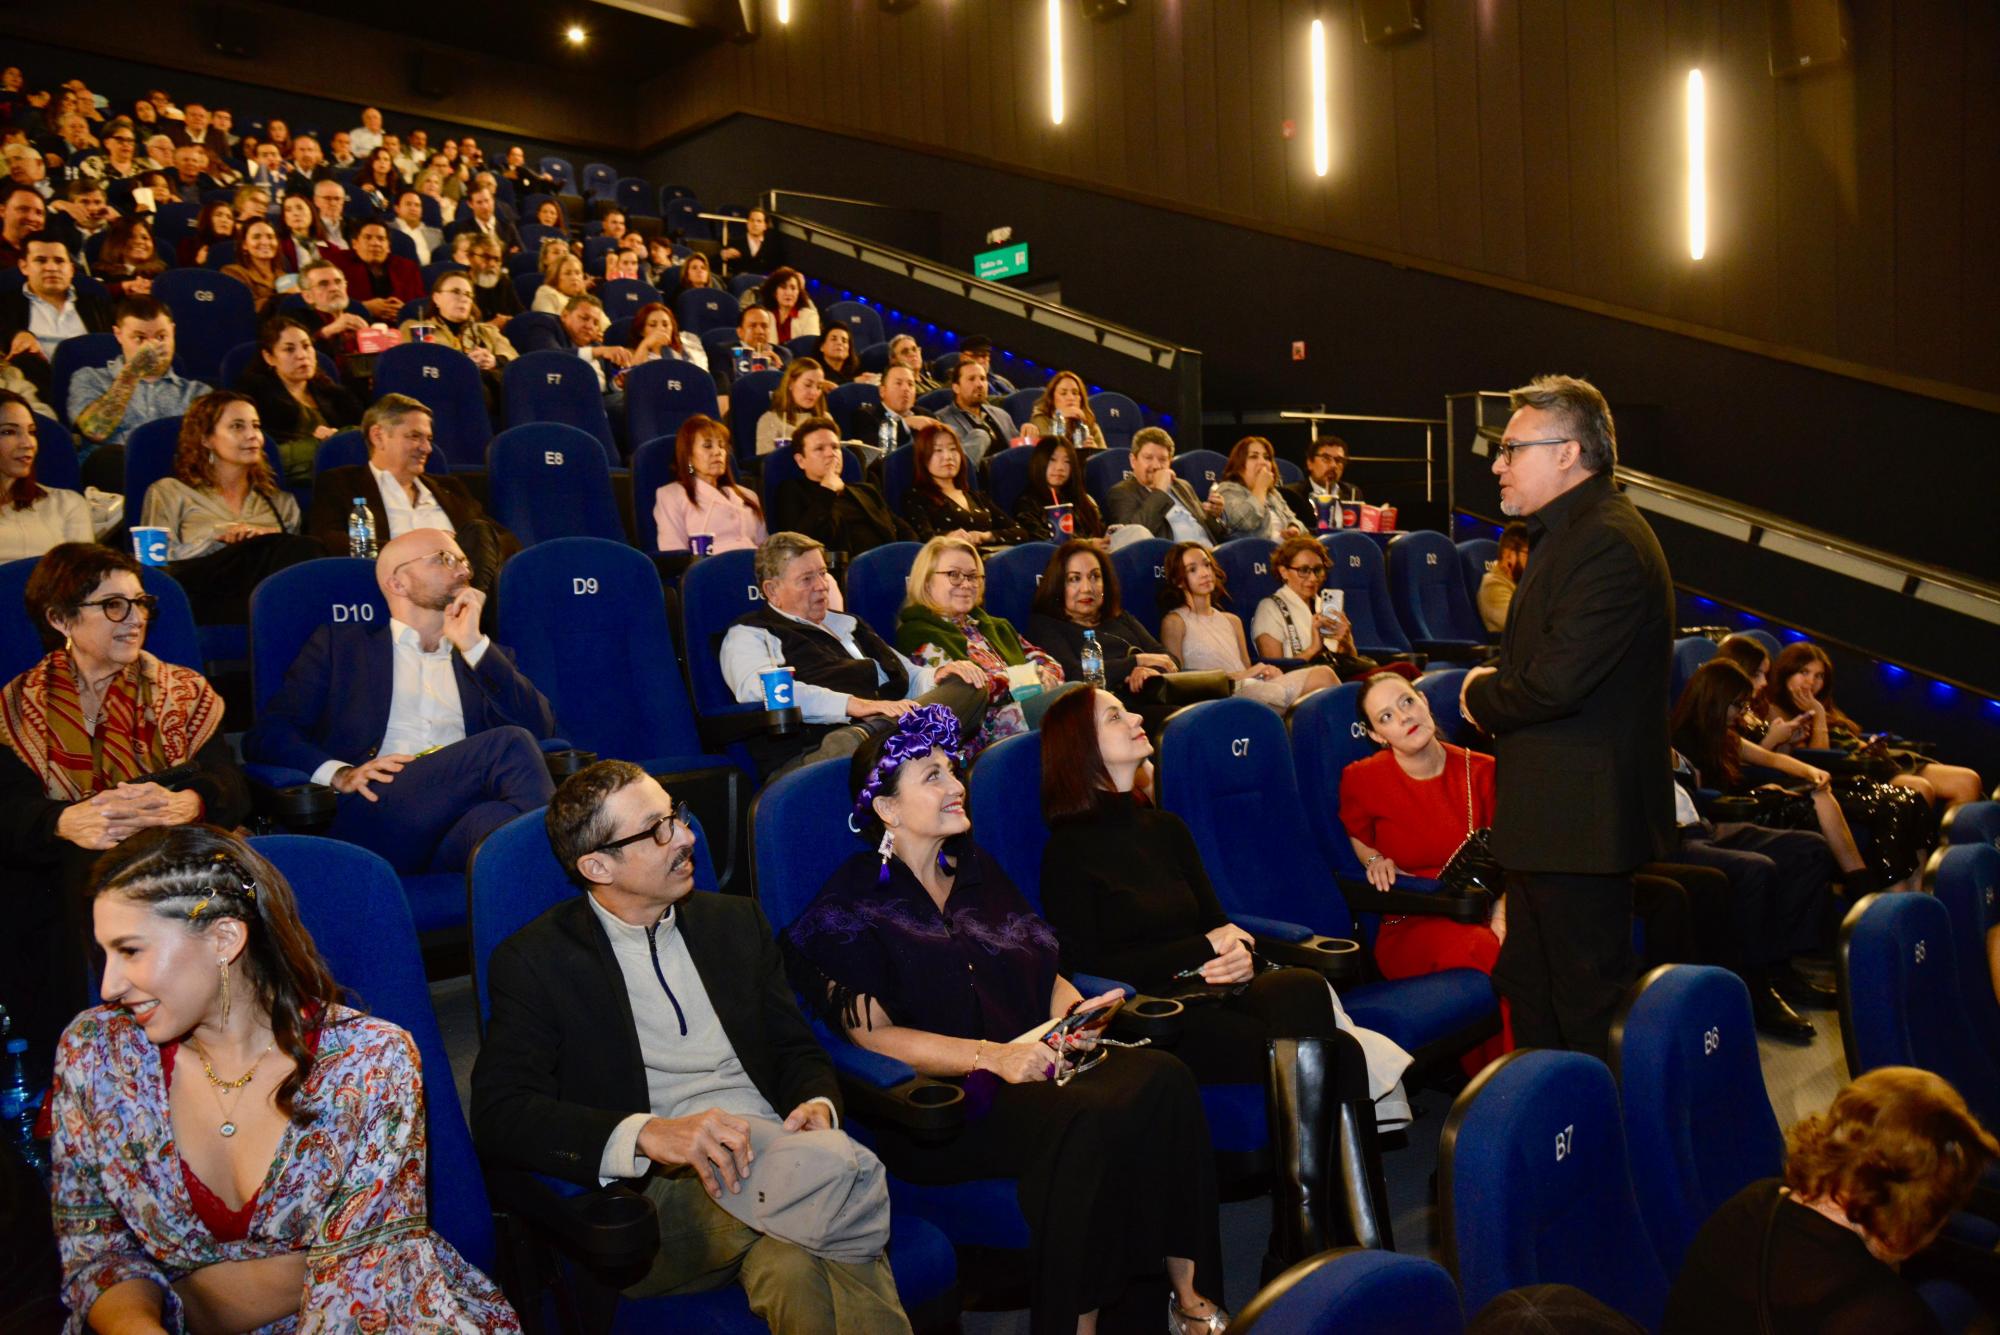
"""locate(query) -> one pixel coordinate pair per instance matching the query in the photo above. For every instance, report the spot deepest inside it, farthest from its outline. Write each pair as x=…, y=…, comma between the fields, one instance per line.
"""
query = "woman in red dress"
x=1406, y=810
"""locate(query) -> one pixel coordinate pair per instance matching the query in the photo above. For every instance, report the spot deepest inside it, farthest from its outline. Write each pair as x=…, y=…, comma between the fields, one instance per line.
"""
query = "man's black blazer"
x=1579, y=703
x=560, y=1067
x=486, y=542
x=96, y=313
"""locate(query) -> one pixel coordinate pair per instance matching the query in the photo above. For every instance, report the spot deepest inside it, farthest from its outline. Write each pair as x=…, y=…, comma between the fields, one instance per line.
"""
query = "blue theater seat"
x=899, y=473
x=1476, y=556
x=1965, y=878
x=1200, y=469
x=171, y=636
x=1430, y=598
x=55, y=454
x=1104, y=470
x=73, y=355
x=1011, y=576
x=1356, y=1292
x=547, y=480
x=662, y=394
x=1142, y=573
x=537, y=331
x=553, y=386
x=1534, y=1187
x=1247, y=570
x=1117, y=417
x=445, y=381
x=863, y=322
x=876, y=582
x=846, y=401
x=212, y=314
x=749, y=400
x=1354, y=566
x=1690, y=652
x=701, y=309
x=622, y=297
x=1020, y=405
x=1007, y=476
x=1440, y=688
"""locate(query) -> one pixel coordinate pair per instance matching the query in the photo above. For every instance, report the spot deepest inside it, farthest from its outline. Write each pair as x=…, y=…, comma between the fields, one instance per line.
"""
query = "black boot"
x=1326, y=1188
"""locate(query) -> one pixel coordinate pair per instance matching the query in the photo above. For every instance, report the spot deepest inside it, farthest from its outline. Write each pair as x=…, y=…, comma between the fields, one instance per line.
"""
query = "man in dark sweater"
x=848, y=678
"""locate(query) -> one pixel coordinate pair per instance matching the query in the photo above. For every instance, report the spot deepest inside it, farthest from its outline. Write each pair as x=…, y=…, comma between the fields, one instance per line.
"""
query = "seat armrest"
x=1383, y=653
x=1154, y=1018
x=1415, y=897
x=739, y=723
x=880, y=1088
x=612, y=1231
x=1455, y=650
x=290, y=798
x=1267, y=930
x=563, y=759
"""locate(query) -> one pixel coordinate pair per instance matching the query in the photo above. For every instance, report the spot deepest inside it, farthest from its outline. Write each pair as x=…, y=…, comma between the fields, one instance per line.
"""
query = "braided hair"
x=199, y=874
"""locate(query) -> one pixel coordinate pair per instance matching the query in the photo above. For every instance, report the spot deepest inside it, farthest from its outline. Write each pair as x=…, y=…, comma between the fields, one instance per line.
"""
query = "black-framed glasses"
x=118, y=607
x=1310, y=568
x=960, y=579
x=1505, y=449
x=661, y=830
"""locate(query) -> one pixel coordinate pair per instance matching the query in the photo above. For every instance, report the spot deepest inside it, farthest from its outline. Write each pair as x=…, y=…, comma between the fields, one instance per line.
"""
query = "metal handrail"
x=1429, y=424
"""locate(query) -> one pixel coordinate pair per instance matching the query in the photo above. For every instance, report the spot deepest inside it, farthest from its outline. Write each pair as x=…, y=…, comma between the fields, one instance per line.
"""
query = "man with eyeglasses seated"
x=849, y=681
x=645, y=1033
x=424, y=726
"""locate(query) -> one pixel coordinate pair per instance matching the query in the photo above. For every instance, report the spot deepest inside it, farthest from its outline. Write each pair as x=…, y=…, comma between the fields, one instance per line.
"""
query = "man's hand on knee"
x=356, y=778
x=714, y=1143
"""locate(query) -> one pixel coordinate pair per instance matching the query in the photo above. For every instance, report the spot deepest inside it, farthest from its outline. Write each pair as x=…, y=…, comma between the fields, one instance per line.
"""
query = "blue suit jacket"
x=334, y=704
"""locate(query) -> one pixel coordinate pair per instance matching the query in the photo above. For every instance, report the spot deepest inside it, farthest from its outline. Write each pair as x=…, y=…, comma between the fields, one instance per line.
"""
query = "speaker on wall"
x=1385, y=22
x=1807, y=35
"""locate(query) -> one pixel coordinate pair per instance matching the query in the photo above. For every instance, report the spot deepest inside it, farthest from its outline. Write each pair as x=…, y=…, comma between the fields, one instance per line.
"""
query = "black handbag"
x=1472, y=866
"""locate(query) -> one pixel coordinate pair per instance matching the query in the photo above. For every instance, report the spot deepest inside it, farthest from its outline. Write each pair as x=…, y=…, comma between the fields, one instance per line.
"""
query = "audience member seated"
x=428, y=241
x=402, y=497
x=562, y=278
x=1123, y=885
x=526, y=180
x=366, y=137
x=549, y=214
x=1803, y=680
x=197, y=126
x=90, y=732
x=297, y=403
x=340, y=153
x=1291, y=623
x=656, y=333
x=333, y=320
x=1407, y=809
x=229, y=522
x=755, y=348
x=33, y=518
x=904, y=350
x=980, y=349
x=308, y=166
x=893, y=420
x=838, y=359
x=259, y=264
x=1841, y=1241
x=424, y=726
x=1706, y=731
x=330, y=225
x=191, y=178
x=128, y=261
x=1055, y=477
x=783, y=293
x=980, y=424
x=942, y=499
x=382, y=282
x=848, y=517
x=251, y=201
x=762, y=250
x=222, y=1207
x=378, y=181
x=1078, y=593
x=798, y=396
x=24, y=215
x=1203, y=638
x=139, y=385
x=298, y=239
x=584, y=323
x=1778, y=907
x=1252, y=504
x=846, y=675
x=1158, y=500
x=944, y=621
x=1496, y=588
x=80, y=216
x=640, y=985
x=1900, y=824
x=453, y=322
x=704, y=497
x=694, y=272
x=46, y=311
x=480, y=218
x=925, y=951
x=267, y=168
x=26, y=170
x=1326, y=464
x=1064, y=410
x=492, y=287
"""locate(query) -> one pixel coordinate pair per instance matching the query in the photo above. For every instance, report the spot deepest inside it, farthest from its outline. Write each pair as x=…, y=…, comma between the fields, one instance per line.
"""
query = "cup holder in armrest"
x=1339, y=958
x=303, y=807
x=1155, y=1018
x=783, y=722
x=1731, y=809
x=562, y=764
x=936, y=1095
x=616, y=1229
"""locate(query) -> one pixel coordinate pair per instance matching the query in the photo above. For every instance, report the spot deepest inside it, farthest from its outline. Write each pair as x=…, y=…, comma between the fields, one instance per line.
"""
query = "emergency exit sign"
x=1006, y=262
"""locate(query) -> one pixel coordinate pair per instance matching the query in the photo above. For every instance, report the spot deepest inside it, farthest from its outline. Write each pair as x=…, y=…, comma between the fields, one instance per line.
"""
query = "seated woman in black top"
x=298, y=404
x=942, y=499
x=849, y=517
x=1123, y=885
x=926, y=952
x=1055, y=479
x=1868, y=1185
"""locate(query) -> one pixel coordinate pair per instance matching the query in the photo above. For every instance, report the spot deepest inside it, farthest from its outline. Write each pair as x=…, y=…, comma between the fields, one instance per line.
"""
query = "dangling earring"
x=887, y=849
x=222, y=966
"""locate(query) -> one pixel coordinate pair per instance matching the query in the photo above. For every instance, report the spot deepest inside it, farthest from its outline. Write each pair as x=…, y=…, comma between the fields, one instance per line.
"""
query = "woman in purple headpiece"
x=923, y=950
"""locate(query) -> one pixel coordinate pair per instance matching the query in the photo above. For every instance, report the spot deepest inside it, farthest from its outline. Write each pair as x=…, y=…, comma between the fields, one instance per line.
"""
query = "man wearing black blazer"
x=1578, y=702
x=646, y=1033
x=47, y=300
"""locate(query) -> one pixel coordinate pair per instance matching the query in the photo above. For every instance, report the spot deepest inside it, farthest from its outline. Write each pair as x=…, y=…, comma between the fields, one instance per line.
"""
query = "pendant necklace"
x=237, y=1086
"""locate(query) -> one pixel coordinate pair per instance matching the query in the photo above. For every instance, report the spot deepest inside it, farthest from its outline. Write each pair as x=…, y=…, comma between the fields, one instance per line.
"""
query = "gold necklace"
x=228, y=1127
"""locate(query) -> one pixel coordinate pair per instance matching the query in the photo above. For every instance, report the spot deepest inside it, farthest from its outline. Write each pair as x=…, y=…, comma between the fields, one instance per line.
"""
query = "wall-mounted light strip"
x=1697, y=156
x=1321, y=151
x=784, y=11
x=1055, y=63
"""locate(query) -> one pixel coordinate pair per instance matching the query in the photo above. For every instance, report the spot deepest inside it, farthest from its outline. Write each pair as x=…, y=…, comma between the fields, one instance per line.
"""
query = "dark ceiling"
x=624, y=48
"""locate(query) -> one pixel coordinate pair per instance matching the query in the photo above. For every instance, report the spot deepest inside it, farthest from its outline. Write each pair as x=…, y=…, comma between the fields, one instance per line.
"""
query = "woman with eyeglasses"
x=102, y=740
x=229, y=523
x=1253, y=503
x=1124, y=887
x=33, y=518
x=1205, y=638
x=920, y=947
x=1290, y=624
x=944, y=621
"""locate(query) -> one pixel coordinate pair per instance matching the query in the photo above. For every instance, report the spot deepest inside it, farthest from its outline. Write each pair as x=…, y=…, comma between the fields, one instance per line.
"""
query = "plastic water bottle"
x=887, y=435
x=18, y=1107
x=361, y=530
x=1093, y=660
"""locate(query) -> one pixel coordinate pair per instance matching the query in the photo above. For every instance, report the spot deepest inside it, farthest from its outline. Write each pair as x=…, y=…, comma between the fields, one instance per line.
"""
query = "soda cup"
x=1323, y=511
x=1062, y=520
x=777, y=687
x=149, y=545
x=423, y=333
x=1350, y=514
x=701, y=544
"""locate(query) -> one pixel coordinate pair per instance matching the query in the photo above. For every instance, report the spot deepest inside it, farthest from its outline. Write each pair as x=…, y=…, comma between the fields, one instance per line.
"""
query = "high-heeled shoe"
x=1187, y=1323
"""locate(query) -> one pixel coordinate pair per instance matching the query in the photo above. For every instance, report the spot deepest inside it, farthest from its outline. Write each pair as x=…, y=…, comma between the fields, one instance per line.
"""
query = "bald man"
x=424, y=727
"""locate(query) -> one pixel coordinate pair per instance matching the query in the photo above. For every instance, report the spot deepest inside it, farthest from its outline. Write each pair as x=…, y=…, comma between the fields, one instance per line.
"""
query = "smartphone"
x=1332, y=602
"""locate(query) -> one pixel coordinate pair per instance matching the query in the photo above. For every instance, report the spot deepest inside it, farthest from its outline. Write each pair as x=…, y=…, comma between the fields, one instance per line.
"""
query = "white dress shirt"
x=747, y=651
x=425, y=712
x=54, y=325
x=403, y=516
x=417, y=238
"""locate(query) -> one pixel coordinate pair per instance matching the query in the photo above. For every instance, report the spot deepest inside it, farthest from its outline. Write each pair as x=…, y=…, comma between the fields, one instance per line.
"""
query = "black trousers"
x=1567, y=959
x=1782, y=902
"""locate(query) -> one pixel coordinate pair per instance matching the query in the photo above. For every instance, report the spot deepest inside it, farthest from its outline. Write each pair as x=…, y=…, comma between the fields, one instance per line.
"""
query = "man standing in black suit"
x=1578, y=702
x=643, y=1032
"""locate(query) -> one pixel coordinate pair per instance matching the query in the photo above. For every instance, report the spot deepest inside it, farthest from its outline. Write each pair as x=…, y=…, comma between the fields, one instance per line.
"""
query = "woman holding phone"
x=1296, y=621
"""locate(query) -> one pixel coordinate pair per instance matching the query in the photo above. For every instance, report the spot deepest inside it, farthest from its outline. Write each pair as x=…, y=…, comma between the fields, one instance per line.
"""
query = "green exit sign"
x=1006, y=262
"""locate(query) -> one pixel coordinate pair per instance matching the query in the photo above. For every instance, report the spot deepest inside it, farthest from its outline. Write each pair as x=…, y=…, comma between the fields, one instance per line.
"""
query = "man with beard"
x=423, y=726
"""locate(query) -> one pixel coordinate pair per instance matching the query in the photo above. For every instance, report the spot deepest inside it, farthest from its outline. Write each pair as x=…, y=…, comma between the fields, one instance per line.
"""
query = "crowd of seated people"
x=430, y=737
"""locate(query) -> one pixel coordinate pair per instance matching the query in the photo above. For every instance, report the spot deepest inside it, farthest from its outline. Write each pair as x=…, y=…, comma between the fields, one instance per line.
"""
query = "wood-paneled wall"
x=1855, y=213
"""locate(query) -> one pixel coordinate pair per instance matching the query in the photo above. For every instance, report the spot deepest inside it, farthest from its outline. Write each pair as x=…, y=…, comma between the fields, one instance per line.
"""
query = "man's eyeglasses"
x=444, y=556
x=661, y=830
x=118, y=607
x=1505, y=449
x=959, y=579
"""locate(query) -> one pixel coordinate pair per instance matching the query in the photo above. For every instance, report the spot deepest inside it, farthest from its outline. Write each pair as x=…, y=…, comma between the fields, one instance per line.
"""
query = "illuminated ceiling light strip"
x=784, y=11
x=1321, y=152
x=1055, y=63
x=1697, y=152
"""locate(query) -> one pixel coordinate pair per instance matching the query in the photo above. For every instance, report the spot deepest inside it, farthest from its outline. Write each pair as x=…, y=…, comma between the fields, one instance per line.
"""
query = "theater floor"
x=1801, y=1080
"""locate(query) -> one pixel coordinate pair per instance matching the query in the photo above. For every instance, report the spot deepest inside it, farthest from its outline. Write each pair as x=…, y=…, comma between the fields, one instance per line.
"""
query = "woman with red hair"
x=704, y=496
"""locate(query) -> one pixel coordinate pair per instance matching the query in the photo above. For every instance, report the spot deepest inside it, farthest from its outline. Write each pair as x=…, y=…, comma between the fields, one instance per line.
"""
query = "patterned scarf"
x=156, y=716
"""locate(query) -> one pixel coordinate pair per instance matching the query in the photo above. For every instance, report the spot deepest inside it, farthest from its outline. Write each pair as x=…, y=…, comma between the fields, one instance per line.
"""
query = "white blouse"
x=57, y=516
